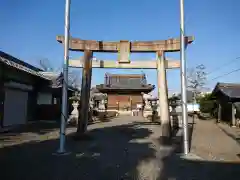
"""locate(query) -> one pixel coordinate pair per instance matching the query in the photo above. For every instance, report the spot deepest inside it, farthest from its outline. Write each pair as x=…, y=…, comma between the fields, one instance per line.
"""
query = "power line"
x=224, y=65
x=226, y=74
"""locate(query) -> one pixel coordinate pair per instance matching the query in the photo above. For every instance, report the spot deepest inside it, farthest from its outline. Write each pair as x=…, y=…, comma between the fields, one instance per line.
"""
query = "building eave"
x=229, y=90
x=106, y=89
x=13, y=62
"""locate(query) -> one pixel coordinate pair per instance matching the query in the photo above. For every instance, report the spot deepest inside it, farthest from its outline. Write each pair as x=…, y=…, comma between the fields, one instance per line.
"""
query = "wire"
x=224, y=65
x=226, y=74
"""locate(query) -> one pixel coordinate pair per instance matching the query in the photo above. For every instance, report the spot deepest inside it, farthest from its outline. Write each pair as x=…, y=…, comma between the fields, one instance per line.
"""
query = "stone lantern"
x=75, y=103
x=174, y=102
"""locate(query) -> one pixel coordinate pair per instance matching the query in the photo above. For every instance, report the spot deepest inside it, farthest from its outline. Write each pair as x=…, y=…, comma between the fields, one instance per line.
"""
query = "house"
x=49, y=97
x=22, y=88
x=124, y=90
x=227, y=96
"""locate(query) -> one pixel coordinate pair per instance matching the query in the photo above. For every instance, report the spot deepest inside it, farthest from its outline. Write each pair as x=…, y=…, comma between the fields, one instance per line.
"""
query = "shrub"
x=208, y=105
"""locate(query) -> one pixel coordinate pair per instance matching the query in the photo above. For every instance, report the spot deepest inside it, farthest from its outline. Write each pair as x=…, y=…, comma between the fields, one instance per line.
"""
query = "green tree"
x=207, y=104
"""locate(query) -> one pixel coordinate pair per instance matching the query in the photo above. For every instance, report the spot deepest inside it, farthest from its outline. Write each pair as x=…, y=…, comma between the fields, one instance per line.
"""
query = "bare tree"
x=74, y=77
x=46, y=65
x=196, y=79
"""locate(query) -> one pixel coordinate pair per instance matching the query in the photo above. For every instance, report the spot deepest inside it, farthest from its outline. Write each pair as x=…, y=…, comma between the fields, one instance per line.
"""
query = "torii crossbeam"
x=170, y=45
x=136, y=64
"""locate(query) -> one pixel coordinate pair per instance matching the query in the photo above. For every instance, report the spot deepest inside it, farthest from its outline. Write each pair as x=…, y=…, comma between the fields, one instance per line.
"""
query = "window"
x=44, y=98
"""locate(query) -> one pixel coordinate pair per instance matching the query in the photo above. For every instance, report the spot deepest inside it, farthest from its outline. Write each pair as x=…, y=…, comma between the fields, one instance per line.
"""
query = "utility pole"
x=183, y=80
x=64, y=114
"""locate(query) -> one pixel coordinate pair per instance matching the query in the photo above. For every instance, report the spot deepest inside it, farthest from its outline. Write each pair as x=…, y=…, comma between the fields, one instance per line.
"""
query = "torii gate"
x=124, y=48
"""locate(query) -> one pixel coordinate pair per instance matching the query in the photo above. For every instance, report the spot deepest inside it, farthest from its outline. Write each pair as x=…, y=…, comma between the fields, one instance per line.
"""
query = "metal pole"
x=183, y=81
x=64, y=113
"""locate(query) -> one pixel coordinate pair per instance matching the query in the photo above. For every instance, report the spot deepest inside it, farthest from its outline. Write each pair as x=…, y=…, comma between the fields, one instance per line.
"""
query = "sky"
x=29, y=29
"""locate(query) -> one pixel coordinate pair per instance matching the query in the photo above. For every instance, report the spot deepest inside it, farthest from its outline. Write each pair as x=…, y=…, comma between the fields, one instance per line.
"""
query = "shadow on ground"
x=110, y=153
x=148, y=123
x=176, y=166
x=28, y=132
x=179, y=168
x=38, y=127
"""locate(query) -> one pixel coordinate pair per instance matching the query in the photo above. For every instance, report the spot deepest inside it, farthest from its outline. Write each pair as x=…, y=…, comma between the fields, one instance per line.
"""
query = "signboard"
x=124, y=52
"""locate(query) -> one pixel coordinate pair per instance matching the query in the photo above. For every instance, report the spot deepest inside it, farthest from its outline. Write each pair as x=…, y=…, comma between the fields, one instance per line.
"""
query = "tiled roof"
x=126, y=81
x=56, y=79
x=230, y=90
x=125, y=75
x=20, y=65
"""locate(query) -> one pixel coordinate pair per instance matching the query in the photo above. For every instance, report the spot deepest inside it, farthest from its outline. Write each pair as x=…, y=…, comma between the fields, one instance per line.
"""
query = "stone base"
x=72, y=121
x=190, y=156
x=125, y=113
x=59, y=153
x=147, y=114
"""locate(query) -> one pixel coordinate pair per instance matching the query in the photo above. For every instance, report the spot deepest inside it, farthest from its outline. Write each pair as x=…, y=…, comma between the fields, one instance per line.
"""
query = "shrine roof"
x=125, y=89
x=125, y=83
x=125, y=75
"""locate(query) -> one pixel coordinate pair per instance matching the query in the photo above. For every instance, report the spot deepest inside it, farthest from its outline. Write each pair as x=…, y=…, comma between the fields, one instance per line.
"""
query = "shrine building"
x=124, y=90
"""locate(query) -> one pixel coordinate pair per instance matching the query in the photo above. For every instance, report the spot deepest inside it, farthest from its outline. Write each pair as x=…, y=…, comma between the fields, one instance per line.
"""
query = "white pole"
x=64, y=113
x=183, y=81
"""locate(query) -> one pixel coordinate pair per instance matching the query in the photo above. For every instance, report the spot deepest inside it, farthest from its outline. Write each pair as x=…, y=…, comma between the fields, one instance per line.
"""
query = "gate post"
x=85, y=92
x=163, y=97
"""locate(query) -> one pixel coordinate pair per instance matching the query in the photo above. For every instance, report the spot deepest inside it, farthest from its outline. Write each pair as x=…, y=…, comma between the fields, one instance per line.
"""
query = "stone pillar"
x=158, y=83
x=85, y=92
x=163, y=96
x=233, y=115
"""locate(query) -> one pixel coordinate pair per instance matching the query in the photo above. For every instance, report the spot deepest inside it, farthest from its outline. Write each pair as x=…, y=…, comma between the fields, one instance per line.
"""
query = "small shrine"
x=124, y=91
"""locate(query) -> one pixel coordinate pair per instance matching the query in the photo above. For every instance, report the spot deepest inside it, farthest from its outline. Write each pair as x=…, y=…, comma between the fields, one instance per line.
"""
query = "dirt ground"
x=216, y=142
x=124, y=148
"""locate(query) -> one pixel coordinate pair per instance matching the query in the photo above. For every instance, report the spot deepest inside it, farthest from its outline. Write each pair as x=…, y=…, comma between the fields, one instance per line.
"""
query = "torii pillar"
x=163, y=108
x=85, y=92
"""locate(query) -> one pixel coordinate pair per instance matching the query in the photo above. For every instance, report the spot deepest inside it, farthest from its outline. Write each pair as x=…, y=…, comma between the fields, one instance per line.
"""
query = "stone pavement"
x=124, y=148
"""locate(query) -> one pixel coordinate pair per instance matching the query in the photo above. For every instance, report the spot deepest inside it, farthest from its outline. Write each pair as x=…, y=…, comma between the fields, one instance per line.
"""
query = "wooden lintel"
x=170, y=45
x=150, y=64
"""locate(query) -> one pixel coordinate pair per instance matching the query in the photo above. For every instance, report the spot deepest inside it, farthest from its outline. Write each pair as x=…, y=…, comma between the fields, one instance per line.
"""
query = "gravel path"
x=124, y=148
